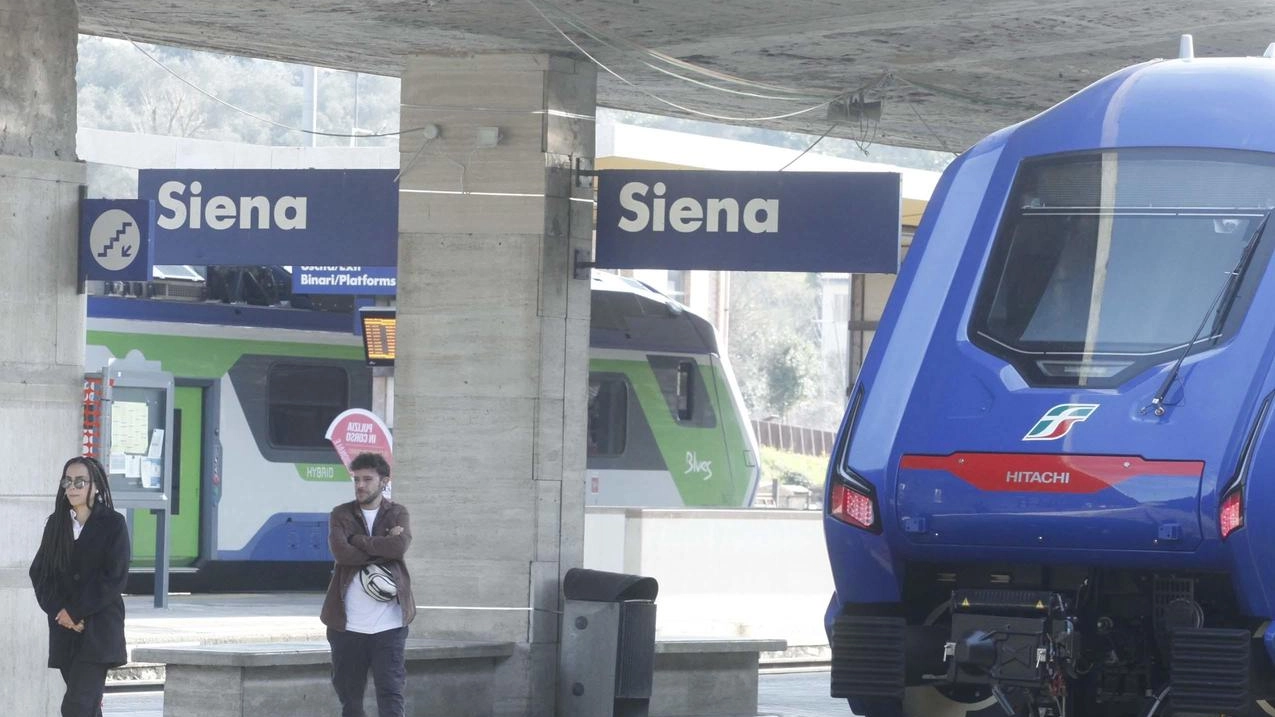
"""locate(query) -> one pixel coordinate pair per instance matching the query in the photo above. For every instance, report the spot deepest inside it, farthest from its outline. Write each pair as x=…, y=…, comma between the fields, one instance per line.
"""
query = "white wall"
x=114, y=157
x=722, y=573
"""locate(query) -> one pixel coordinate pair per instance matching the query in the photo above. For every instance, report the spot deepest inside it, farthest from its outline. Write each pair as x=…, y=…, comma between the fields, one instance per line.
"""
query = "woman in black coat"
x=79, y=575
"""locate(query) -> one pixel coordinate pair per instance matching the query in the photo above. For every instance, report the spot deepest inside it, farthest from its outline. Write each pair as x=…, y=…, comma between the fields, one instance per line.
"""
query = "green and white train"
x=257, y=386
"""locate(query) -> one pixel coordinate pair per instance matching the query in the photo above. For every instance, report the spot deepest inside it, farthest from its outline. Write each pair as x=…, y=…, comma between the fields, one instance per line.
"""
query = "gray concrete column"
x=491, y=374
x=41, y=320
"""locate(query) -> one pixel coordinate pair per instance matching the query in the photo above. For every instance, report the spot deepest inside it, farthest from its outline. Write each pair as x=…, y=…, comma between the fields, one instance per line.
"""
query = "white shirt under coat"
x=364, y=614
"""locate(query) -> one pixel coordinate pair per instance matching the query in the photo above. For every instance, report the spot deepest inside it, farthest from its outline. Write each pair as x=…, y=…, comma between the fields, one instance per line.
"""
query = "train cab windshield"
x=1108, y=262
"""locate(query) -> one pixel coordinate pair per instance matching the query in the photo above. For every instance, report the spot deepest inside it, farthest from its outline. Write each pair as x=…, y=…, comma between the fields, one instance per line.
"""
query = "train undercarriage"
x=1032, y=641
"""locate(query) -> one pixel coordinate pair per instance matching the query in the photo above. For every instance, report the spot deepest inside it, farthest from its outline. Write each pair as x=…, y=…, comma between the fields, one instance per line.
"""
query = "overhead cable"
x=255, y=116
x=937, y=136
x=657, y=98
x=692, y=80
x=613, y=41
x=807, y=149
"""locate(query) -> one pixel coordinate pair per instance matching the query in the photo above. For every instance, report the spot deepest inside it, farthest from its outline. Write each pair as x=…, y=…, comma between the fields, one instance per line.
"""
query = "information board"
x=380, y=336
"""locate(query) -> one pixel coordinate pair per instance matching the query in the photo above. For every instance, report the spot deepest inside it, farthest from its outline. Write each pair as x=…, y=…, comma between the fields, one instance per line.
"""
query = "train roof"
x=1191, y=102
x=629, y=314
x=626, y=314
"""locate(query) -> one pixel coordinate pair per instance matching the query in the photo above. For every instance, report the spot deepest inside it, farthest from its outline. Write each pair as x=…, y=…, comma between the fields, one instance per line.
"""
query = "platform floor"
x=224, y=618
x=790, y=694
x=195, y=619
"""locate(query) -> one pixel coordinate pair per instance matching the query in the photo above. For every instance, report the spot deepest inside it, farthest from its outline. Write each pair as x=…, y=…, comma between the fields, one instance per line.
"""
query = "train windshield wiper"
x=1221, y=304
x=1241, y=268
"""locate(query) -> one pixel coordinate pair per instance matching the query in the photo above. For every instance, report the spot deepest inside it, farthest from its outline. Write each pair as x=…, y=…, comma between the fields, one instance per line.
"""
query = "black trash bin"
x=608, y=644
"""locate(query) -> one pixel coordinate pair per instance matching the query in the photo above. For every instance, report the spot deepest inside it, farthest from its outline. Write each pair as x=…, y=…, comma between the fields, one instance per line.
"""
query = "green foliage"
x=774, y=332
x=121, y=89
x=791, y=373
x=792, y=469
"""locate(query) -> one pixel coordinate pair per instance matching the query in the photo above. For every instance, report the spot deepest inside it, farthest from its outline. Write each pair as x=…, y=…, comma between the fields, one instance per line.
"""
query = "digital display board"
x=380, y=336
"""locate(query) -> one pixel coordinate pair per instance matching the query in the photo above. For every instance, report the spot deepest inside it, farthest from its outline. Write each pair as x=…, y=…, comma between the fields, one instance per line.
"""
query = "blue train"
x=1047, y=493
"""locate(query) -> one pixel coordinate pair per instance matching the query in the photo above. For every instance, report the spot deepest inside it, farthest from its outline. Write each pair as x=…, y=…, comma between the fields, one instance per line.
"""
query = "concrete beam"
x=41, y=318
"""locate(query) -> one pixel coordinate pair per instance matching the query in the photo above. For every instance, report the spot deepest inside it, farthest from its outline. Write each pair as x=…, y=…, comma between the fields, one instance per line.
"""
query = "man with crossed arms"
x=367, y=633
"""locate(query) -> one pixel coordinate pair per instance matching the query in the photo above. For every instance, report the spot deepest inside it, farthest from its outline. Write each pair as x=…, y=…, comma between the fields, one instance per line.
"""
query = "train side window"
x=685, y=407
x=682, y=382
x=302, y=401
x=608, y=414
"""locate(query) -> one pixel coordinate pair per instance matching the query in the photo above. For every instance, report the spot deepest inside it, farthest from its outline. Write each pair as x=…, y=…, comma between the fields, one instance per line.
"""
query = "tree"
x=120, y=88
x=773, y=334
x=790, y=373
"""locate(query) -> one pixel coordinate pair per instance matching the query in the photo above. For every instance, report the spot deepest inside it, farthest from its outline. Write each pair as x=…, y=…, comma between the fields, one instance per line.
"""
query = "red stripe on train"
x=1048, y=472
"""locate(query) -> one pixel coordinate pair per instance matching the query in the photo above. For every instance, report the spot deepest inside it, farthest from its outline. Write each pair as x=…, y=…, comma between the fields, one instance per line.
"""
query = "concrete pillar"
x=491, y=374
x=41, y=319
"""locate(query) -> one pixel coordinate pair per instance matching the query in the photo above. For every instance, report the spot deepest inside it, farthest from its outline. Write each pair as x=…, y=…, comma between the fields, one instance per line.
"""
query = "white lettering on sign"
x=321, y=472
x=305, y=279
x=177, y=210
x=359, y=433
x=687, y=214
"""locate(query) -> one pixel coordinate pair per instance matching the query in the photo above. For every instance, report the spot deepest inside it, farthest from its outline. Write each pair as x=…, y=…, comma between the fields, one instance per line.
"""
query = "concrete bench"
x=707, y=677
x=292, y=679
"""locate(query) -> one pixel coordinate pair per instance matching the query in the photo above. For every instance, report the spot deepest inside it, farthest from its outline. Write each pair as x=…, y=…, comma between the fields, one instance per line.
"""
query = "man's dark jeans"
x=353, y=654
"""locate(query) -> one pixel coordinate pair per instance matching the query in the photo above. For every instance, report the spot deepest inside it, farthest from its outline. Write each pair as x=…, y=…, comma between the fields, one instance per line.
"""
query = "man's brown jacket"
x=352, y=548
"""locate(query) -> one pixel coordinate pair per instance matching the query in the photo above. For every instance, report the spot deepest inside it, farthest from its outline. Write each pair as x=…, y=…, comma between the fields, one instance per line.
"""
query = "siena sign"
x=687, y=214
x=761, y=221
x=273, y=216
x=189, y=210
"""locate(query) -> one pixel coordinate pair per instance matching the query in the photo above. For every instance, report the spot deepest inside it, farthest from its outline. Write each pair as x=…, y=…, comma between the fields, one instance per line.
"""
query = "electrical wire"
x=657, y=98
x=676, y=62
x=890, y=82
x=885, y=82
x=404, y=170
x=611, y=41
x=722, y=75
x=412, y=162
x=867, y=133
x=255, y=116
x=807, y=149
x=942, y=142
x=867, y=136
x=1155, y=707
x=692, y=80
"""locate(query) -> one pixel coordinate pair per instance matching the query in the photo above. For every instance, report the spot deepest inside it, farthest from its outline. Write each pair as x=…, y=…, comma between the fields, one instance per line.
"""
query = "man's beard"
x=371, y=498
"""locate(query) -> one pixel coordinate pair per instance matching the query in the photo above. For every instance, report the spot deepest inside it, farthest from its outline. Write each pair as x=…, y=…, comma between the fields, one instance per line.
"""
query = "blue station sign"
x=273, y=216
x=749, y=221
x=361, y=280
x=115, y=239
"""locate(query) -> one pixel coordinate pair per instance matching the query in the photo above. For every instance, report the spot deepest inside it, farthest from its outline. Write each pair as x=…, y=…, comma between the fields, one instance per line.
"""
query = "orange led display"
x=380, y=336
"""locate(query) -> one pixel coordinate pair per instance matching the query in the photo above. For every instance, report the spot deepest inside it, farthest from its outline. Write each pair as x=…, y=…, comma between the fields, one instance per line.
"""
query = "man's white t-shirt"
x=362, y=613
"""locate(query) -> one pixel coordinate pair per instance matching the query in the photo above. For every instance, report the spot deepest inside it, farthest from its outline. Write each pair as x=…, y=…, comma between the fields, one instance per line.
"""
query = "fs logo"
x=1057, y=421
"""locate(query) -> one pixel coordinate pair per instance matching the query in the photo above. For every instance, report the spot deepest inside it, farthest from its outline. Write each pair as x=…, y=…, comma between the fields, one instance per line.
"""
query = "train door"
x=188, y=419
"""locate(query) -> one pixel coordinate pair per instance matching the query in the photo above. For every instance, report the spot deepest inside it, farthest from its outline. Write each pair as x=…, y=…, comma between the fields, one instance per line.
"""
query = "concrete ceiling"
x=947, y=73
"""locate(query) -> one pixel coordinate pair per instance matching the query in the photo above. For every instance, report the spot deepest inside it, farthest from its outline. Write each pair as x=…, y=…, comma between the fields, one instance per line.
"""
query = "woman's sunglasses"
x=78, y=483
